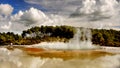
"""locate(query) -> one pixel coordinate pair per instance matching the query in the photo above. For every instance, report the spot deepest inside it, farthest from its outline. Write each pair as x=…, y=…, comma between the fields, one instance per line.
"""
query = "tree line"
x=37, y=34
x=106, y=37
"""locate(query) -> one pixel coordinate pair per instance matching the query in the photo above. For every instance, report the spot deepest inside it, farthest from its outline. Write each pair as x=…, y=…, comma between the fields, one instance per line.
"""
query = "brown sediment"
x=66, y=54
x=34, y=49
x=63, y=54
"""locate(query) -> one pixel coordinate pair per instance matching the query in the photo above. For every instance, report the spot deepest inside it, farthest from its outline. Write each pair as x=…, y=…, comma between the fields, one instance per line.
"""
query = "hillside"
x=36, y=35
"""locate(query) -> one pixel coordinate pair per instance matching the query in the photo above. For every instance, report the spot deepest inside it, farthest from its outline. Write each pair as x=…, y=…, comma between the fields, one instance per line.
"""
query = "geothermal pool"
x=34, y=57
x=76, y=53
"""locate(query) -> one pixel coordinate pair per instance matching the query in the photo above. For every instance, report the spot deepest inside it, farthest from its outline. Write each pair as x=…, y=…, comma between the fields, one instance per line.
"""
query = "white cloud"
x=100, y=9
x=5, y=12
x=6, y=27
x=33, y=17
x=5, y=9
x=58, y=6
x=69, y=6
x=104, y=11
x=96, y=14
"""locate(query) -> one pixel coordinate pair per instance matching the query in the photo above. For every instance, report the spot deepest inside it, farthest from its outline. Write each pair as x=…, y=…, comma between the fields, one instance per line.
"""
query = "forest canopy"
x=37, y=34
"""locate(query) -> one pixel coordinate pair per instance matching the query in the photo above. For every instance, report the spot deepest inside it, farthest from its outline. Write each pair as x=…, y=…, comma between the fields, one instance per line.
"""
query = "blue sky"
x=21, y=5
x=108, y=12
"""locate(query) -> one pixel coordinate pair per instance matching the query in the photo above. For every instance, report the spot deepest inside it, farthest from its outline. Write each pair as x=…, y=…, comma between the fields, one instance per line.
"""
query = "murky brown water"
x=21, y=57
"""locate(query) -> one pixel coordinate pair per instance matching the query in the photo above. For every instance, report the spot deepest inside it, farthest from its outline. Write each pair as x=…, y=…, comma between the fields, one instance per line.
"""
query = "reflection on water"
x=18, y=59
